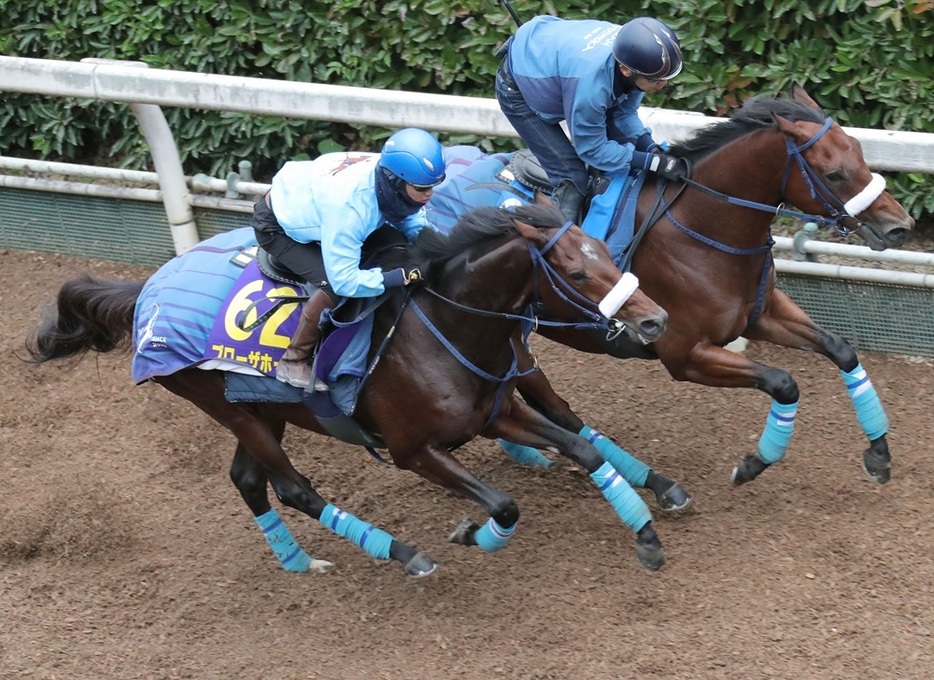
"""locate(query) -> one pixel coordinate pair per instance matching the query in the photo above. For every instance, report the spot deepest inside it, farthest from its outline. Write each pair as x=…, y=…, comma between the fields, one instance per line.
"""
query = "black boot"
x=570, y=200
x=293, y=367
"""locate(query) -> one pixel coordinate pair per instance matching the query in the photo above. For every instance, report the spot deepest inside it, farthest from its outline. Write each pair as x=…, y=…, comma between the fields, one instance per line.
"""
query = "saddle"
x=526, y=169
x=275, y=271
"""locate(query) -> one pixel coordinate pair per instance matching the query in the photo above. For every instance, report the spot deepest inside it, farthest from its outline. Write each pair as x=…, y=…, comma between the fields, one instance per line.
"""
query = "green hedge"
x=868, y=63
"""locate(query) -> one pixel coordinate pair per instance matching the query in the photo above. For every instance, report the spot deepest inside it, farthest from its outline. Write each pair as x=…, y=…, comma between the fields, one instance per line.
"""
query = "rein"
x=840, y=212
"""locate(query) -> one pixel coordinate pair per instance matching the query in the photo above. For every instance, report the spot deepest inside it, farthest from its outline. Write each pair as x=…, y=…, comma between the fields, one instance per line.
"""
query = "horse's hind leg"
x=538, y=392
x=251, y=480
x=787, y=325
x=205, y=389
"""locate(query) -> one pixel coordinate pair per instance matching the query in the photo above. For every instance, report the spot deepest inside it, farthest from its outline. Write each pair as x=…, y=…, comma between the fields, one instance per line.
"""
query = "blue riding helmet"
x=414, y=156
x=648, y=48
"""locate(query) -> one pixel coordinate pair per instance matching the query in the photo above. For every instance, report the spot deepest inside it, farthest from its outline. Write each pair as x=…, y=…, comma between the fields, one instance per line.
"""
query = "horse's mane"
x=755, y=114
x=431, y=249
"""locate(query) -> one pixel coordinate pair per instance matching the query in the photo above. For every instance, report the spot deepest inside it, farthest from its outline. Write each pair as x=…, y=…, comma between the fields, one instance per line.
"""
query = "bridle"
x=842, y=215
x=599, y=314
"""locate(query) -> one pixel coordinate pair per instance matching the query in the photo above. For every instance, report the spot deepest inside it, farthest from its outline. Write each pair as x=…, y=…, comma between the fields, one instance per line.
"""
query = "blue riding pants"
x=547, y=141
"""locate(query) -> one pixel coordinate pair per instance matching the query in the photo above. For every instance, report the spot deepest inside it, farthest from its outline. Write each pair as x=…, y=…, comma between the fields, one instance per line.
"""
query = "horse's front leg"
x=538, y=393
x=519, y=422
x=787, y=325
x=437, y=465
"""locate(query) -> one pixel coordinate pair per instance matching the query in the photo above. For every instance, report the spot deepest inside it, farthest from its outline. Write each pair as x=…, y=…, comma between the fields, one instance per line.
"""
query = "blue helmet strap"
x=392, y=198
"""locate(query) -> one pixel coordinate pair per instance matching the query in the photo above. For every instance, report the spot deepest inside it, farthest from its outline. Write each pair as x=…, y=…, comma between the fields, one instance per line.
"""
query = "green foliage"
x=869, y=63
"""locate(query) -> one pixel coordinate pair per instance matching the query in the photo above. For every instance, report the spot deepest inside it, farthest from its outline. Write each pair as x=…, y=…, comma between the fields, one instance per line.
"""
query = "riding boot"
x=569, y=199
x=293, y=367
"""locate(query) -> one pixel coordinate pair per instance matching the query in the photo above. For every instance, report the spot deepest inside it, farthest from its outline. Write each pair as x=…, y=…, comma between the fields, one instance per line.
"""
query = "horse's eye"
x=578, y=277
x=835, y=176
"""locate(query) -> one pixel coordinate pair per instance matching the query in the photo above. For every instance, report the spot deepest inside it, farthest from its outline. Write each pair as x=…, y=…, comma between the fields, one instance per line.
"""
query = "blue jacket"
x=332, y=200
x=565, y=70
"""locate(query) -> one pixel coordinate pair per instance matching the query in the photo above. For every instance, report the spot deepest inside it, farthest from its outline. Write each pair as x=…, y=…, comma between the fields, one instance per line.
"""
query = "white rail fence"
x=145, y=90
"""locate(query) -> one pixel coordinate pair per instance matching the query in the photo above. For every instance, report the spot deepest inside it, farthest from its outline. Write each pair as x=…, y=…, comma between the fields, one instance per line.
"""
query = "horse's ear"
x=802, y=97
x=530, y=233
x=790, y=129
x=542, y=198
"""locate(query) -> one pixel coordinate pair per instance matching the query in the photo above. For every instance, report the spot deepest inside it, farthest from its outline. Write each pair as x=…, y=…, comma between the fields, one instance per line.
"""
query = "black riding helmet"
x=648, y=48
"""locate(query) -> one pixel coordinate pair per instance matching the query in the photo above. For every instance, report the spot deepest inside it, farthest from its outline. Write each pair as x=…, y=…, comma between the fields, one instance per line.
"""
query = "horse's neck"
x=497, y=280
x=749, y=168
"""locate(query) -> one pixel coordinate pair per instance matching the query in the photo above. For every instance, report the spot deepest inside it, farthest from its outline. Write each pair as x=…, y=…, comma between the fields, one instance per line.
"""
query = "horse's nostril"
x=652, y=328
x=896, y=236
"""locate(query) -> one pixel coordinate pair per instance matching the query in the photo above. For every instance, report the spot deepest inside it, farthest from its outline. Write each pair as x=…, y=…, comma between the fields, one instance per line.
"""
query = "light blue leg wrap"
x=627, y=503
x=779, y=426
x=525, y=455
x=375, y=541
x=869, y=411
x=491, y=536
x=632, y=469
x=284, y=547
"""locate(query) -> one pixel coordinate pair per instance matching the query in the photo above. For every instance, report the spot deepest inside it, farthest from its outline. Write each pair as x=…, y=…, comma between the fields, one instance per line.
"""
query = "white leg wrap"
x=864, y=198
x=622, y=291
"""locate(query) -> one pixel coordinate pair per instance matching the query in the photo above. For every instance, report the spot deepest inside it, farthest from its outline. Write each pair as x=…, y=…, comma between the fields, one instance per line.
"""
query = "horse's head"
x=826, y=174
x=578, y=269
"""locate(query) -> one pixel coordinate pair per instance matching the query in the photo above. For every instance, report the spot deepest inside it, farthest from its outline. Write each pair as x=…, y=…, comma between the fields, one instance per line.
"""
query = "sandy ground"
x=125, y=552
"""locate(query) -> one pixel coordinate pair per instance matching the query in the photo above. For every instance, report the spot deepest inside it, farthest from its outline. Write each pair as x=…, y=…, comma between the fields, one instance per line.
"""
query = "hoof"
x=464, y=533
x=320, y=566
x=877, y=466
x=749, y=467
x=649, y=550
x=675, y=498
x=651, y=555
x=420, y=565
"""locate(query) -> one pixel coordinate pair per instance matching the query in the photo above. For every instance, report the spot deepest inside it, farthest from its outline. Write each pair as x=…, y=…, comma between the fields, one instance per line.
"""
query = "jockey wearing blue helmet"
x=593, y=75
x=415, y=156
x=318, y=214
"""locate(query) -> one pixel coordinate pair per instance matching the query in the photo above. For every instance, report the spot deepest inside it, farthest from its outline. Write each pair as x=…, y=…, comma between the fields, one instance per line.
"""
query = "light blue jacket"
x=566, y=71
x=332, y=200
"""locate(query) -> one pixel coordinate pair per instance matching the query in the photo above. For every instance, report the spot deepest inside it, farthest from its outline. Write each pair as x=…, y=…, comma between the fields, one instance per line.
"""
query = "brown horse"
x=704, y=253
x=447, y=374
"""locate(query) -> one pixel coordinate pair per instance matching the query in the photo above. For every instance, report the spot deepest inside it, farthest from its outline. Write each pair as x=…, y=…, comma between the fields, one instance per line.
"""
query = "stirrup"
x=302, y=379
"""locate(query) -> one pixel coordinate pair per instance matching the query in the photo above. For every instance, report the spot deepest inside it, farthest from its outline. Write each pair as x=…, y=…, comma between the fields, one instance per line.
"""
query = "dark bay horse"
x=704, y=253
x=446, y=376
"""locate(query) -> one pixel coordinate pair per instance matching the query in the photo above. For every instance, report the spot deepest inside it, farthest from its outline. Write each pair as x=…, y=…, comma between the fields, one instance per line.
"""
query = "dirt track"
x=125, y=551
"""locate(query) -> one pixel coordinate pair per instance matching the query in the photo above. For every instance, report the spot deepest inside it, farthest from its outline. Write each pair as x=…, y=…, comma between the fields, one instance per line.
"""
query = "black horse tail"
x=91, y=314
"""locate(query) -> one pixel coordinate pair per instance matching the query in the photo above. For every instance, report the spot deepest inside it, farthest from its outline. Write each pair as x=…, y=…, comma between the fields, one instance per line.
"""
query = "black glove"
x=645, y=143
x=670, y=167
x=397, y=278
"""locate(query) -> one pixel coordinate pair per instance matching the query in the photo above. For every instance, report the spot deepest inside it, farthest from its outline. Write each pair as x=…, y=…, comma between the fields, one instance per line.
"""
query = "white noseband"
x=622, y=291
x=864, y=198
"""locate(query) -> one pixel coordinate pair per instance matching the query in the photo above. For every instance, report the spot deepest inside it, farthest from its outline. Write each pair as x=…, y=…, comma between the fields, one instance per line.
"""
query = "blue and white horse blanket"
x=198, y=308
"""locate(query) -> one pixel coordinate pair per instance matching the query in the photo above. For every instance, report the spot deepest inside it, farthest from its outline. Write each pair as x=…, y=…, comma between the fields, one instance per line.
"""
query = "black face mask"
x=392, y=198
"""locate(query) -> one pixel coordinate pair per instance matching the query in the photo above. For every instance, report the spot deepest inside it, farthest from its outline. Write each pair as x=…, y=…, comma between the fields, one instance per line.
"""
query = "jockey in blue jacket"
x=317, y=215
x=594, y=75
